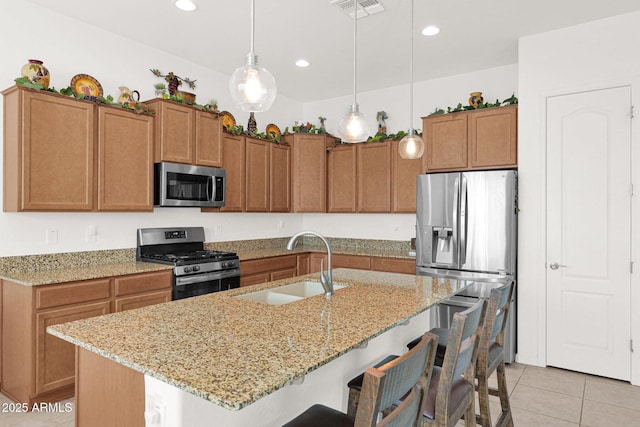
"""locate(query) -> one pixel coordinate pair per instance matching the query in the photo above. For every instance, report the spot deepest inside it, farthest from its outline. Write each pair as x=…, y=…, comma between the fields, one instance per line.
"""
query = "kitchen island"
x=239, y=362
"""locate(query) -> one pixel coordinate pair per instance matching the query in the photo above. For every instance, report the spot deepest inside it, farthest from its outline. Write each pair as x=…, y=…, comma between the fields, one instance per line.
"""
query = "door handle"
x=555, y=265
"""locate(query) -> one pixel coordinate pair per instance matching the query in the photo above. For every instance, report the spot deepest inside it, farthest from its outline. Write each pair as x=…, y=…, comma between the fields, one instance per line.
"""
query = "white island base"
x=170, y=406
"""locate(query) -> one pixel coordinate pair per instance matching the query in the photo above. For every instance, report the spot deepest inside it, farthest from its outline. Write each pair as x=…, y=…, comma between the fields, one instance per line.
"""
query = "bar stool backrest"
x=386, y=385
x=498, y=312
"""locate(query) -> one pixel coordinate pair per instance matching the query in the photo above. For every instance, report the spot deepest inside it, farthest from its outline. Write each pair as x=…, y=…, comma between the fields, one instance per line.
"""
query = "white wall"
x=584, y=57
x=495, y=83
x=69, y=47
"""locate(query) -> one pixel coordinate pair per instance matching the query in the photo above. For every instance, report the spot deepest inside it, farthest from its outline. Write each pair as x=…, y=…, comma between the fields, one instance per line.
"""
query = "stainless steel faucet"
x=325, y=279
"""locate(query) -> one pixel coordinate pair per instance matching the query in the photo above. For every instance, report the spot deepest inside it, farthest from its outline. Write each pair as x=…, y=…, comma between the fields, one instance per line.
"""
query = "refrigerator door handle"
x=456, y=208
x=463, y=221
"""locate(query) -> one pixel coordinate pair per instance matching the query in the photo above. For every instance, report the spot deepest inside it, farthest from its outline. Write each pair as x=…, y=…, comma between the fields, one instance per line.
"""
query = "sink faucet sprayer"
x=325, y=279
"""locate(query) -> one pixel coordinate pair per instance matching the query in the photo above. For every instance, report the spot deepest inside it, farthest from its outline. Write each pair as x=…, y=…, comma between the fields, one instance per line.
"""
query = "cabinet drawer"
x=72, y=293
x=137, y=301
x=268, y=264
x=254, y=279
x=393, y=265
x=284, y=274
x=136, y=283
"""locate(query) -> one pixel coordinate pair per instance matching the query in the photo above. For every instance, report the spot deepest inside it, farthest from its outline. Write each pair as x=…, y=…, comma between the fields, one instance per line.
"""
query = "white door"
x=589, y=232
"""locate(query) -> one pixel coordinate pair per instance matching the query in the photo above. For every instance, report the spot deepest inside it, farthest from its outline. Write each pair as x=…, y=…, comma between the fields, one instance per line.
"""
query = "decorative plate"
x=228, y=121
x=84, y=84
x=273, y=131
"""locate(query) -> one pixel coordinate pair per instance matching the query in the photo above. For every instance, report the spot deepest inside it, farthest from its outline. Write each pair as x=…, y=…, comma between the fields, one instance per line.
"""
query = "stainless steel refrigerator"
x=466, y=228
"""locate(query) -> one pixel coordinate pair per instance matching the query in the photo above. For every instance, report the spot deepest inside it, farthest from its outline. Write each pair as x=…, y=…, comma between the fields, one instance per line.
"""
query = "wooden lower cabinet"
x=55, y=358
x=393, y=265
x=304, y=264
x=264, y=270
x=340, y=261
x=39, y=367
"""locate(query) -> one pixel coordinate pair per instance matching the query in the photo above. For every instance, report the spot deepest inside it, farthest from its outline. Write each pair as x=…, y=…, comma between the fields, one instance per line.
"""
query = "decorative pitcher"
x=127, y=96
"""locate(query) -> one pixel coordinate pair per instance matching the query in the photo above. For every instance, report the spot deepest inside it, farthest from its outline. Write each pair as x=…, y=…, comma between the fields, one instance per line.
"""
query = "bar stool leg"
x=506, y=418
x=484, y=419
x=352, y=404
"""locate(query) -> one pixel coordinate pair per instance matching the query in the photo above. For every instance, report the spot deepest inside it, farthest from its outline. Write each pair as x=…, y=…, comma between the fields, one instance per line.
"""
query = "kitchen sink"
x=288, y=293
x=305, y=289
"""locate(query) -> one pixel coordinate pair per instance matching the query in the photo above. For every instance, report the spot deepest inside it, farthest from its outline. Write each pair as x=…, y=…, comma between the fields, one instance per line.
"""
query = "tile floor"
x=539, y=397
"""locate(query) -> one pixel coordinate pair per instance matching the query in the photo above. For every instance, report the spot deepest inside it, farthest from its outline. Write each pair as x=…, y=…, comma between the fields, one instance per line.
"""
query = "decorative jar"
x=36, y=72
x=475, y=99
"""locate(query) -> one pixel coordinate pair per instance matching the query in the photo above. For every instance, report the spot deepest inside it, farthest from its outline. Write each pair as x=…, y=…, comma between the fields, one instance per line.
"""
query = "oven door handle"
x=206, y=277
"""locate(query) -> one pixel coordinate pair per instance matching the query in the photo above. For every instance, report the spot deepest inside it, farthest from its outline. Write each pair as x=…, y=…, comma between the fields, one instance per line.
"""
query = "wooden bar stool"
x=490, y=355
x=450, y=393
x=407, y=375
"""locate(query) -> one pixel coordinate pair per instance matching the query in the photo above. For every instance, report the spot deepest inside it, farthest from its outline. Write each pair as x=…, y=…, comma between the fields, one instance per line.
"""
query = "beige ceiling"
x=476, y=34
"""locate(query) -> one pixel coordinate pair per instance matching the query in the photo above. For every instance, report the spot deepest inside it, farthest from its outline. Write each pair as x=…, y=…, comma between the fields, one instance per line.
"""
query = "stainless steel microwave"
x=177, y=184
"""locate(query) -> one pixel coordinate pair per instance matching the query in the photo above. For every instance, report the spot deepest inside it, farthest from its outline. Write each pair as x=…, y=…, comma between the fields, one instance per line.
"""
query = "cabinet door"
x=303, y=264
x=445, y=138
x=125, y=160
x=58, y=151
x=340, y=261
x=143, y=282
x=308, y=172
x=254, y=279
x=341, y=179
x=233, y=155
x=257, y=169
x=55, y=358
x=280, y=173
x=403, y=181
x=174, y=136
x=208, y=139
x=493, y=137
x=374, y=177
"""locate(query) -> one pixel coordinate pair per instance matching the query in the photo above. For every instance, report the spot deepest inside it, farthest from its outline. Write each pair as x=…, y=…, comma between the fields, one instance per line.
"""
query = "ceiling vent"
x=365, y=7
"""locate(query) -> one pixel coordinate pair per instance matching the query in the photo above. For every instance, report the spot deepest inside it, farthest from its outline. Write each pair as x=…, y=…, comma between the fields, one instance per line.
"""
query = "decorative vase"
x=188, y=97
x=36, y=72
x=252, y=126
x=475, y=99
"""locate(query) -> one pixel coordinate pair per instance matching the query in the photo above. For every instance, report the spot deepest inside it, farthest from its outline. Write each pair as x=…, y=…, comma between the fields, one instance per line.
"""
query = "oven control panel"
x=175, y=234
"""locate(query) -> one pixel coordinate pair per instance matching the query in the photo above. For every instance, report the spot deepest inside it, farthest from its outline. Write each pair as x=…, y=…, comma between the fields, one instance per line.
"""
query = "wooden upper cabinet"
x=49, y=152
x=175, y=131
x=125, y=160
x=280, y=182
x=342, y=179
x=445, y=138
x=184, y=134
x=477, y=139
x=374, y=177
x=403, y=181
x=233, y=161
x=257, y=175
x=493, y=138
x=308, y=171
x=208, y=139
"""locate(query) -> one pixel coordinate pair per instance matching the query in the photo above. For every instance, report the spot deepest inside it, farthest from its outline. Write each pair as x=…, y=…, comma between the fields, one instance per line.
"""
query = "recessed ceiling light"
x=430, y=30
x=186, y=5
x=302, y=63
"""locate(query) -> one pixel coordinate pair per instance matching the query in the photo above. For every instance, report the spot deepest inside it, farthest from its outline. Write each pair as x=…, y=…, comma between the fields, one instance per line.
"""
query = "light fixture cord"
x=355, y=48
x=411, y=132
x=253, y=20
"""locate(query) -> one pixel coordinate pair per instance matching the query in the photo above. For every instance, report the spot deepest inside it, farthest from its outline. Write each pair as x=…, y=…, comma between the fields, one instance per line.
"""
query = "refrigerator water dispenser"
x=442, y=248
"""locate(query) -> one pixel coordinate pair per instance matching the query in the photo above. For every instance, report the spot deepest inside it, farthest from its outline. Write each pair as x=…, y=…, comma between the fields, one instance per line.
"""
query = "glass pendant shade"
x=411, y=146
x=252, y=87
x=353, y=126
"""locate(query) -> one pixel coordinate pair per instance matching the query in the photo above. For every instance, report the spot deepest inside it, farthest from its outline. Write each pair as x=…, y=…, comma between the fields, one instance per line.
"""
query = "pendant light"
x=252, y=87
x=411, y=146
x=353, y=127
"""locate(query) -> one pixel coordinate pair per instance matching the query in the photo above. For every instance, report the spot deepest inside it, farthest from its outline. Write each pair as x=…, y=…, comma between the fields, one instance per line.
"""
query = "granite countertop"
x=37, y=270
x=48, y=277
x=190, y=343
x=249, y=254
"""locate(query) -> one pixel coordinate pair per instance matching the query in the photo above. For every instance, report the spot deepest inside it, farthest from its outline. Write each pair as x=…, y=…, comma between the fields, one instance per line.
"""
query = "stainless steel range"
x=196, y=271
